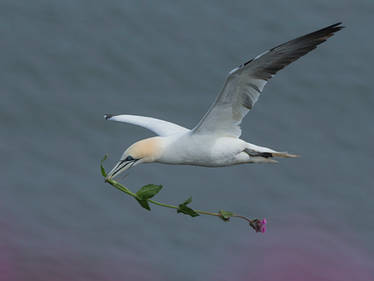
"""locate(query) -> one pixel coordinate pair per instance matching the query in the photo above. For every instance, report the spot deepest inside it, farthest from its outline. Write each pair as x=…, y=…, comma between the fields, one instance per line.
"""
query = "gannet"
x=214, y=141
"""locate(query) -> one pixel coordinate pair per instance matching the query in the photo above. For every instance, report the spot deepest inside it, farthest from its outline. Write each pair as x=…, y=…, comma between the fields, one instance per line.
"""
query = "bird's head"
x=143, y=151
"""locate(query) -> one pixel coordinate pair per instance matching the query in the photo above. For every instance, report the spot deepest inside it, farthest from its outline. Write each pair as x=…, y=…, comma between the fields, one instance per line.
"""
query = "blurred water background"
x=66, y=63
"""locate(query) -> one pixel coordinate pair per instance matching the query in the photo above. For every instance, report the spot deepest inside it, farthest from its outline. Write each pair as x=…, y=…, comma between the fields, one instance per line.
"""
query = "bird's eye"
x=129, y=158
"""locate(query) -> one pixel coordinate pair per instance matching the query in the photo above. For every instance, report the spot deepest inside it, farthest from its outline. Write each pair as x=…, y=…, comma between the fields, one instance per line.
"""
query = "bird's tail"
x=284, y=155
x=265, y=155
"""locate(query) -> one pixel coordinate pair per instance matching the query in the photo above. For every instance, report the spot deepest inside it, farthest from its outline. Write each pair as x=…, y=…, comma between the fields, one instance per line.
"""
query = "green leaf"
x=182, y=208
x=143, y=203
x=188, y=201
x=225, y=215
x=102, y=167
x=148, y=191
x=187, y=211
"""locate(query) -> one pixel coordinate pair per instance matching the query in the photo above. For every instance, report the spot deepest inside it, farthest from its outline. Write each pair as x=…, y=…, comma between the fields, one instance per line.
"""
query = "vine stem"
x=124, y=189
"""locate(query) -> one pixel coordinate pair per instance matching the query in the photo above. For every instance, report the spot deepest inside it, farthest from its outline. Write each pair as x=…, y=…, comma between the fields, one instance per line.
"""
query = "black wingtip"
x=334, y=27
x=108, y=116
x=338, y=25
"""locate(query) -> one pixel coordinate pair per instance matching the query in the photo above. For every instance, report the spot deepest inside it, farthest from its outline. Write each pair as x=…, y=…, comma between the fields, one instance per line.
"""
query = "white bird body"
x=200, y=150
x=206, y=150
x=215, y=142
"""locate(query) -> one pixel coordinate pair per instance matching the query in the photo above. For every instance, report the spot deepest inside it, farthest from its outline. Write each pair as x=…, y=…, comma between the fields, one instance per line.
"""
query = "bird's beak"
x=119, y=168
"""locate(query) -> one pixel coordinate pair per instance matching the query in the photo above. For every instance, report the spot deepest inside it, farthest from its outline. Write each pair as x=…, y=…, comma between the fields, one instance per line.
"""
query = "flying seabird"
x=214, y=141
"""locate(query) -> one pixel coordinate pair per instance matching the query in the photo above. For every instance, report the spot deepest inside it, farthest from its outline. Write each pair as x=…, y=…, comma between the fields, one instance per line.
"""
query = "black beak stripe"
x=123, y=166
x=120, y=167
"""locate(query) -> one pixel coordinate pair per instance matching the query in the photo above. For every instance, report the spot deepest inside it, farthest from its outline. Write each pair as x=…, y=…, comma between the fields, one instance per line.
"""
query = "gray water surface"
x=66, y=63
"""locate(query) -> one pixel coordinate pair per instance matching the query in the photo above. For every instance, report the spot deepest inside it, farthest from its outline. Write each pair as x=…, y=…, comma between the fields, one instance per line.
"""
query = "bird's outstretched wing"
x=160, y=127
x=245, y=83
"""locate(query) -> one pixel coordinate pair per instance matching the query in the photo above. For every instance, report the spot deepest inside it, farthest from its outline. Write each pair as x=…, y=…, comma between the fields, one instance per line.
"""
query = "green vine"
x=144, y=195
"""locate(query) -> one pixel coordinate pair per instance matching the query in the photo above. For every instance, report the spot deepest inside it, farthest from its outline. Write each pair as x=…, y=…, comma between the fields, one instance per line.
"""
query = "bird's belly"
x=203, y=151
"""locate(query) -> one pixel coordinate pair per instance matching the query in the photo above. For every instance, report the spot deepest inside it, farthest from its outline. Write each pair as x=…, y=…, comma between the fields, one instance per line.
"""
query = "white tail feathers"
x=284, y=155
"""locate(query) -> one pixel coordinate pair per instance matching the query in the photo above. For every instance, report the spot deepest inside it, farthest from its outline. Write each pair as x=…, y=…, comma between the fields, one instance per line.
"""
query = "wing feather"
x=245, y=83
x=160, y=127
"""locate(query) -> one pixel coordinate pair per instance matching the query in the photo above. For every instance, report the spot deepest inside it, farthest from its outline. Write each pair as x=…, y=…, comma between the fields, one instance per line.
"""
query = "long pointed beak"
x=119, y=168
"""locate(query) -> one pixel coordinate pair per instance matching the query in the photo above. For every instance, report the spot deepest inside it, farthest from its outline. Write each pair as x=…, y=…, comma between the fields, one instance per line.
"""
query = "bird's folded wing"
x=245, y=83
x=160, y=127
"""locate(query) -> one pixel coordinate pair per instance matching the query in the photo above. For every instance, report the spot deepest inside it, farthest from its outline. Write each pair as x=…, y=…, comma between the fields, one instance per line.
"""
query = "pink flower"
x=258, y=225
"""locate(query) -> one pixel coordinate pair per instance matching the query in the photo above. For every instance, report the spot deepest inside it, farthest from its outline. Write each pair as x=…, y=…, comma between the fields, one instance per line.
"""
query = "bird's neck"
x=150, y=149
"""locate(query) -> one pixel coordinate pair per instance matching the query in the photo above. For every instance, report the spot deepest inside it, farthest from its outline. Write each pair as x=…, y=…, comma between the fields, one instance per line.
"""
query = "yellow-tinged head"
x=143, y=151
x=148, y=150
